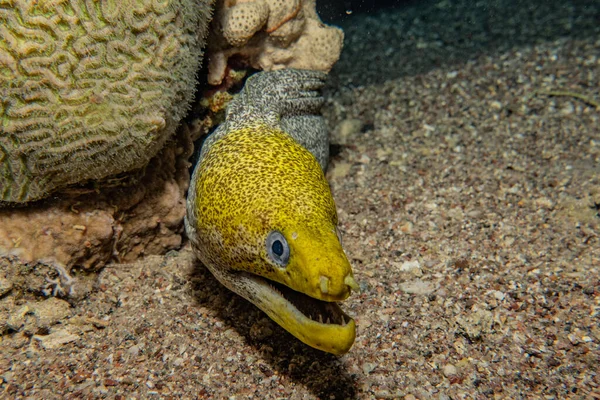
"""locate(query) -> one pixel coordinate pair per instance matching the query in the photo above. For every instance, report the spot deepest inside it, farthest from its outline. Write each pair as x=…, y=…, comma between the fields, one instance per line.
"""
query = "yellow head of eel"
x=261, y=217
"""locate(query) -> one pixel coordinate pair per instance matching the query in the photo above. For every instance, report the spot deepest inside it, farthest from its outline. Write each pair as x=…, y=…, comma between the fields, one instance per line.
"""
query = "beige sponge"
x=89, y=89
x=241, y=22
x=269, y=35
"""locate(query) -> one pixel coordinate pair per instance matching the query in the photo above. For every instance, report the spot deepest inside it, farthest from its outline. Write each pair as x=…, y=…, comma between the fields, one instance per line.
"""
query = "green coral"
x=89, y=89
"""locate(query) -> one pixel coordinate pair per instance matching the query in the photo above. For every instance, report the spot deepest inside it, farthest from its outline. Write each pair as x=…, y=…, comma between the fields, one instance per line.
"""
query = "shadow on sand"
x=321, y=373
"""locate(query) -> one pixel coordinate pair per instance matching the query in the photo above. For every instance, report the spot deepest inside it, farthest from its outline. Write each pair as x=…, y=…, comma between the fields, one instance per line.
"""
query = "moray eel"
x=260, y=214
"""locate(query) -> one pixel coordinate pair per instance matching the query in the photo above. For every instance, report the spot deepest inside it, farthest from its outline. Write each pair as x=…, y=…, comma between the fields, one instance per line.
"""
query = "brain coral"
x=91, y=88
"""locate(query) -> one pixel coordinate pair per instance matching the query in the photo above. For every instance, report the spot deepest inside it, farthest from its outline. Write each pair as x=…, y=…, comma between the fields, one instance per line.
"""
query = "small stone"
x=474, y=213
x=409, y=266
x=568, y=109
x=16, y=320
x=7, y=376
x=407, y=227
x=449, y=370
x=84, y=386
x=50, y=312
x=340, y=170
x=496, y=105
x=178, y=362
x=498, y=295
x=134, y=350
x=417, y=287
x=38, y=317
x=348, y=128
x=368, y=368
x=544, y=202
x=56, y=339
x=478, y=323
x=383, y=154
x=574, y=339
x=5, y=286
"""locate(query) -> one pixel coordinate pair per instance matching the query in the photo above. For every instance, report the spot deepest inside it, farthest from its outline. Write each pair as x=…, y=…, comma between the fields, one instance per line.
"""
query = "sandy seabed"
x=467, y=180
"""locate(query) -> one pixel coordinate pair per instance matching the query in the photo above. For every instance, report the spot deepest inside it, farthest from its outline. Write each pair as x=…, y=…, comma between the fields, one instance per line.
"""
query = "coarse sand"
x=466, y=173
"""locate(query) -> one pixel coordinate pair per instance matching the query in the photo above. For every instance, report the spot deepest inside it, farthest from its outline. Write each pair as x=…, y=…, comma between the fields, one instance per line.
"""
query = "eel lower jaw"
x=320, y=324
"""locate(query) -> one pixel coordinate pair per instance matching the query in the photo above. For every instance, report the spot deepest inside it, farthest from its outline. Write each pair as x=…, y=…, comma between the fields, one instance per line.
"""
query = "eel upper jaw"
x=320, y=324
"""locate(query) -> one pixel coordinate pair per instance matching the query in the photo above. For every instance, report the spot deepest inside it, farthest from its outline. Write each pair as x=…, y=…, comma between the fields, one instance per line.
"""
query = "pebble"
x=417, y=287
x=409, y=266
x=134, y=350
x=178, y=362
x=56, y=339
x=449, y=370
x=340, y=170
x=37, y=317
x=50, y=311
x=348, y=128
x=5, y=286
x=368, y=368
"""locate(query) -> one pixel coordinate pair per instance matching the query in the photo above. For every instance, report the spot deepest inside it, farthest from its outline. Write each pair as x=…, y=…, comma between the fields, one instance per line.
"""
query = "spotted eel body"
x=260, y=214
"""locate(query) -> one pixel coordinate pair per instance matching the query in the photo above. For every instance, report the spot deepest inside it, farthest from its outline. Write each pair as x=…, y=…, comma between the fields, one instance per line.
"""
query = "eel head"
x=262, y=218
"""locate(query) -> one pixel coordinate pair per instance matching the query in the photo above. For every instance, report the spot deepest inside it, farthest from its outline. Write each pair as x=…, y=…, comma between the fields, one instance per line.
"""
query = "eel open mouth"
x=320, y=324
x=320, y=311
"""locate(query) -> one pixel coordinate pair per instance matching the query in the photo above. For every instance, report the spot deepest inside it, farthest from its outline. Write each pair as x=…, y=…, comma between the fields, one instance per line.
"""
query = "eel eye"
x=278, y=248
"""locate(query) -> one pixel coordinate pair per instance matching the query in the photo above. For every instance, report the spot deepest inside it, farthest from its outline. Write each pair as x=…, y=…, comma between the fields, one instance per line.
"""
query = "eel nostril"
x=350, y=281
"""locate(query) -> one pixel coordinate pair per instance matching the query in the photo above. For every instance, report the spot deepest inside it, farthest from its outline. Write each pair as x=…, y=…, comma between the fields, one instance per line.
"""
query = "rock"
x=38, y=317
x=340, y=170
x=134, y=350
x=368, y=368
x=417, y=287
x=55, y=339
x=50, y=312
x=16, y=320
x=478, y=323
x=5, y=286
x=408, y=269
x=347, y=129
x=449, y=370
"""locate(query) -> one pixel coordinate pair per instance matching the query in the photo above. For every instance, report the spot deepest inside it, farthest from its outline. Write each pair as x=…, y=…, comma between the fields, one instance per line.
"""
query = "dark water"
x=336, y=11
x=390, y=39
